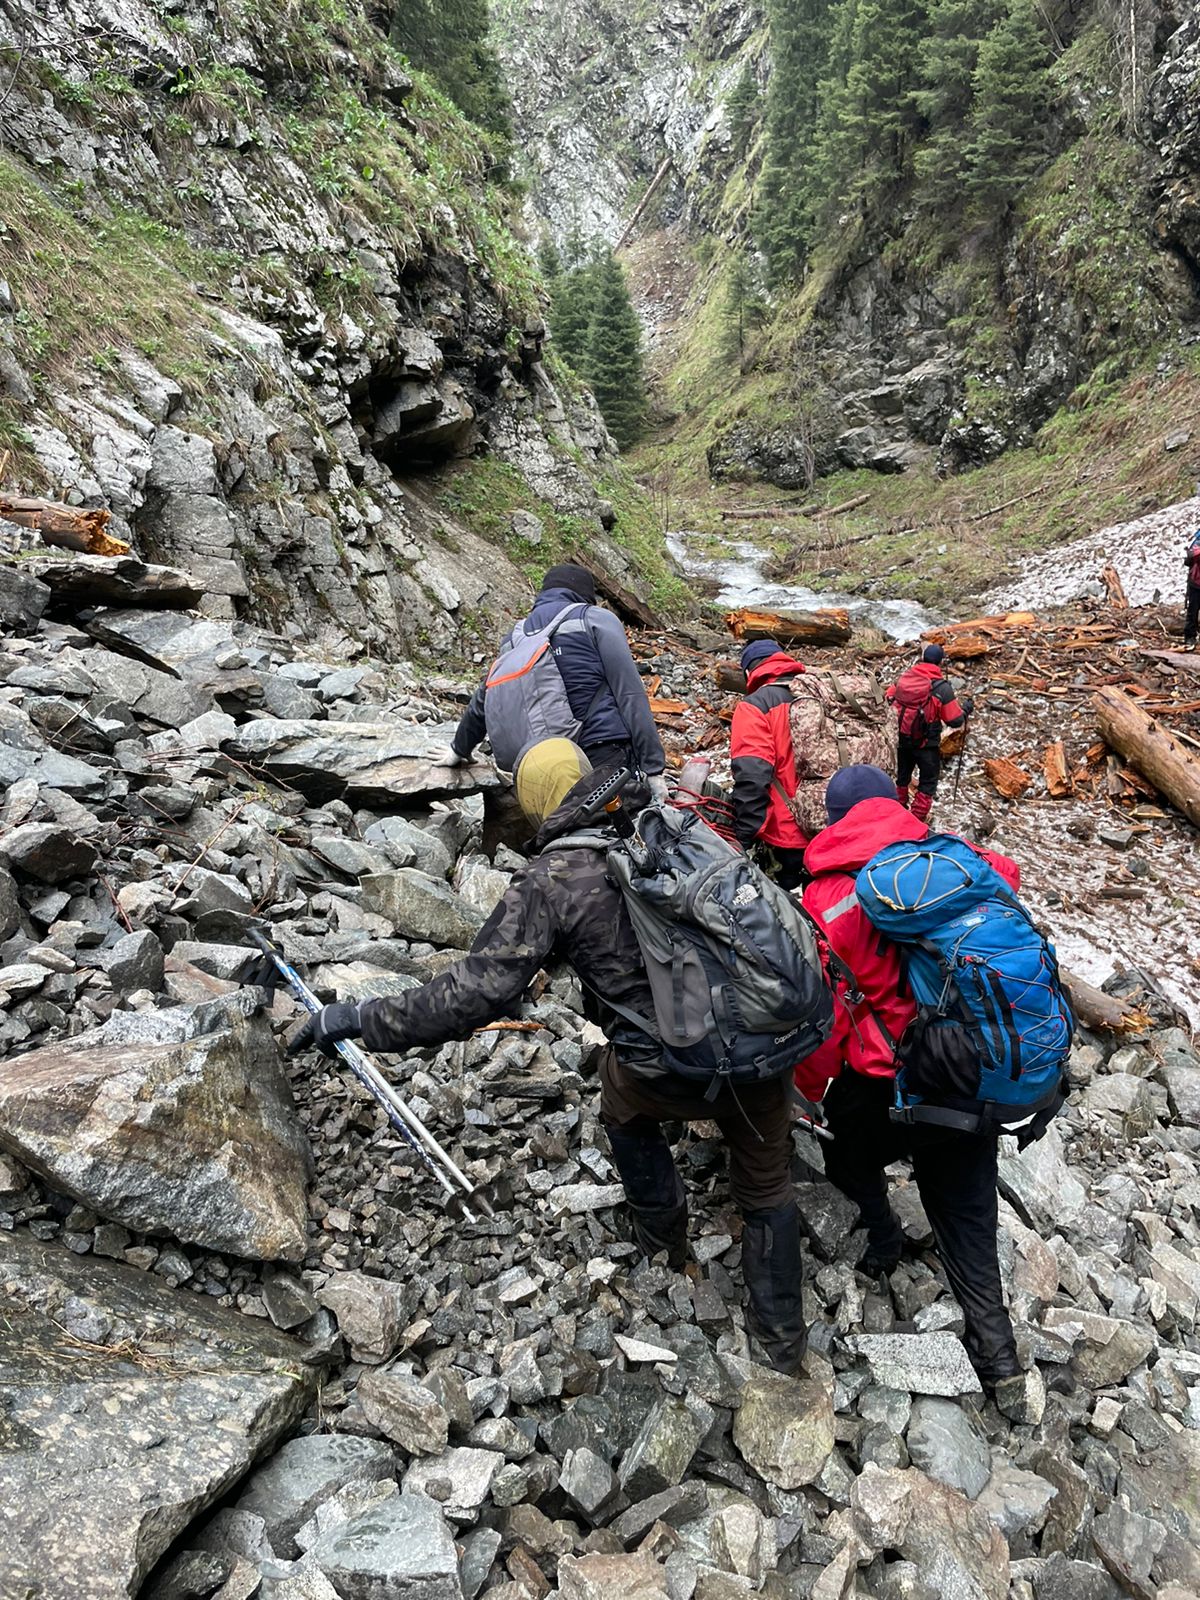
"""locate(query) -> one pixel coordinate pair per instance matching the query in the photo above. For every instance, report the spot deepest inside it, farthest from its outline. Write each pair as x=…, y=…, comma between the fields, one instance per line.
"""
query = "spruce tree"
x=799, y=48
x=948, y=55
x=1013, y=97
x=742, y=110
x=449, y=40
x=613, y=364
x=867, y=118
x=741, y=308
x=572, y=297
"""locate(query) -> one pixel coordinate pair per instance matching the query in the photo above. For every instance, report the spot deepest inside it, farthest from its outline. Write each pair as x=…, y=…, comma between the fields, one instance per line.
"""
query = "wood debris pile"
x=1089, y=702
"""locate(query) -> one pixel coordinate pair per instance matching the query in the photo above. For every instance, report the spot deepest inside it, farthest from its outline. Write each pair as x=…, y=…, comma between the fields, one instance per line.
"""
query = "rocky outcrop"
x=332, y=311
x=196, y=1137
x=129, y=1407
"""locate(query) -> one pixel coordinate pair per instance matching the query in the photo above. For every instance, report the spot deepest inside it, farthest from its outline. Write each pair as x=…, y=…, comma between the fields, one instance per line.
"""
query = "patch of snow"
x=1147, y=553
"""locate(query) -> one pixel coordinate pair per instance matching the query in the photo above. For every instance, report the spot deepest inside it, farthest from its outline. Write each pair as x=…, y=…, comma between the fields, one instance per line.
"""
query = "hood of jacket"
x=780, y=665
x=847, y=845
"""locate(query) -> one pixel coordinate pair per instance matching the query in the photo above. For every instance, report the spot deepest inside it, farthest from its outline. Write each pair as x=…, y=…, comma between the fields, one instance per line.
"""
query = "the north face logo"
x=746, y=895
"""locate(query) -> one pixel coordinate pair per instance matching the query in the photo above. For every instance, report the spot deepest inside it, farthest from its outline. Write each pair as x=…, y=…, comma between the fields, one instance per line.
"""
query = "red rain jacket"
x=834, y=858
x=760, y=748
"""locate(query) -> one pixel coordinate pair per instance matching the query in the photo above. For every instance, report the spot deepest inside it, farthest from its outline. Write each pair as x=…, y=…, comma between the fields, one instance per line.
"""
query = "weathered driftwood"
x=1150, y=749
x=1006, y=777
x=831, y=625
x=1099, y=1011
x=70, y=527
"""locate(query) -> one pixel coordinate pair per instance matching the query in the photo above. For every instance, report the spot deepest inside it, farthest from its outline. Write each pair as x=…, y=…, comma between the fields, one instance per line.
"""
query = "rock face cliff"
x=891, y=353
x=261, y=296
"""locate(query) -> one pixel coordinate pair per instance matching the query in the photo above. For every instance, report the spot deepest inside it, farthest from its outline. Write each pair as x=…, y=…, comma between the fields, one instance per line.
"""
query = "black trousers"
x=926, y=758
x=1192, y=620
x=956, y=1177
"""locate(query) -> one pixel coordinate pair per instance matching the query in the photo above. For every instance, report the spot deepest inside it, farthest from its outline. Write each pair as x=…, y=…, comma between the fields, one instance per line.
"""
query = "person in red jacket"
x=955, y=1172
x=924, y=701
x=760, y=745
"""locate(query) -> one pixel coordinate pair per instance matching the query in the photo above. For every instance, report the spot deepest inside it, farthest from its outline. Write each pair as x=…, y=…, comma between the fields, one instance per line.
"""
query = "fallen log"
x=68, y=527
x=815, y=509
x=628, y=606
x=1054, y=765
x=831, y=625
x=1176, y=660
x=1006, y=777
x=953, y=630
x=1150, y=750
x=1099, y=1011
x=728, y=676
x=966, y=647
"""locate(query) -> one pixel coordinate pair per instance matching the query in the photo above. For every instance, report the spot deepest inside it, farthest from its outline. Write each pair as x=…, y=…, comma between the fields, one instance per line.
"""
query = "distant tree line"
x=595, y=329
x=951, y=98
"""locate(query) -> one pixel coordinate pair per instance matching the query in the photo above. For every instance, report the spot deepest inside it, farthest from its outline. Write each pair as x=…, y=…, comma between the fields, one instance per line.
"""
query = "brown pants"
x=756, y=1125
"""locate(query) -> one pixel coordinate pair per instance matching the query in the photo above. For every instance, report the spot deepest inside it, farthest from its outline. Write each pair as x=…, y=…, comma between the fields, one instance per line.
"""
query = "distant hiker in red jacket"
x=1192, y=619
x=955, y=1172
x=760, y=745
x=924, y=701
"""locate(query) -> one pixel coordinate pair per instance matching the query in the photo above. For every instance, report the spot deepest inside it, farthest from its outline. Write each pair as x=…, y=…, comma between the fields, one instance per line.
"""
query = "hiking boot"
x=922, y=805
x=902, y=795
x=662, y=1228
x=885, y=1250
x=771, y=1266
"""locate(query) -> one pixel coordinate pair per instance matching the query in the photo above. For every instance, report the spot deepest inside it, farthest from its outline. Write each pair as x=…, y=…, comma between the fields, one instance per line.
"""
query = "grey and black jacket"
x=604, y=688
x=561, y=905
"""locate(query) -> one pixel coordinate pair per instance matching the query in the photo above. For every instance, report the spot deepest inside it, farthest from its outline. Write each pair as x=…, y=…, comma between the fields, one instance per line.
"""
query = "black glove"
x=259, y=972
x=321, y=1030
x=968, y=705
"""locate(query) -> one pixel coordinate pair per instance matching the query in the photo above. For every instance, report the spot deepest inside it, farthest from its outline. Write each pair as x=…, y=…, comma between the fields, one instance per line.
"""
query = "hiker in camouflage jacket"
x=563, y=904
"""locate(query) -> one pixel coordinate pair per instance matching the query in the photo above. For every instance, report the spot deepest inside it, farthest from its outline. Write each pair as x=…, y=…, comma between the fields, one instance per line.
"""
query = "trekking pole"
x=962, y=750
x=405, y=1121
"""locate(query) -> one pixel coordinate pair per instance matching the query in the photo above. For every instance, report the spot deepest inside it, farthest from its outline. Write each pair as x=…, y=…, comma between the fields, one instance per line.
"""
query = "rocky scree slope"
x=517, y=1407
x=259, y=285
x=901, y=348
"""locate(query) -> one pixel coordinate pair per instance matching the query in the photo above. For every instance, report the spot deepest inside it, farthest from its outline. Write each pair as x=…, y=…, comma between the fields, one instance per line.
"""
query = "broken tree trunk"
x=728, y=676
x=830, y=625
x=69, y=527
x=1151, y=750
x=1006, y=777
x=1114, y=588
x=624, y=602
x=1099, y=1011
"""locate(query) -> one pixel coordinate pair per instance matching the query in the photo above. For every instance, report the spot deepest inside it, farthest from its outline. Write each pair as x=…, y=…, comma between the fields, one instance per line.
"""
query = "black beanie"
x=934, y=654
x=569, y=575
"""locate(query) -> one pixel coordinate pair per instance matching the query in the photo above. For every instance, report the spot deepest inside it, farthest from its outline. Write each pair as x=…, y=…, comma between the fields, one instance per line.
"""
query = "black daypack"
x=739, y=991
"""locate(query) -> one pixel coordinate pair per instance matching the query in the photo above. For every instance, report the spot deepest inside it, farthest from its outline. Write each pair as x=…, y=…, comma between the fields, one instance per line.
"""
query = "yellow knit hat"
x=546, y=774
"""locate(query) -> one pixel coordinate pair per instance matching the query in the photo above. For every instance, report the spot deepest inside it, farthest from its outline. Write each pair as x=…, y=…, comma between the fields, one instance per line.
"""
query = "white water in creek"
x=738, y=572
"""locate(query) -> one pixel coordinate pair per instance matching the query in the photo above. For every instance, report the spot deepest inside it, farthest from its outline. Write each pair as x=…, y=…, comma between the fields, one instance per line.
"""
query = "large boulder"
x=120, y=1429
x=197, y=1139
x=378, y=764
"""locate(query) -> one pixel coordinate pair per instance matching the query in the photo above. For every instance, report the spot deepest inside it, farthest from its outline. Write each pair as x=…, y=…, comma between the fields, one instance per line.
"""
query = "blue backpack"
x=993, y=1025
